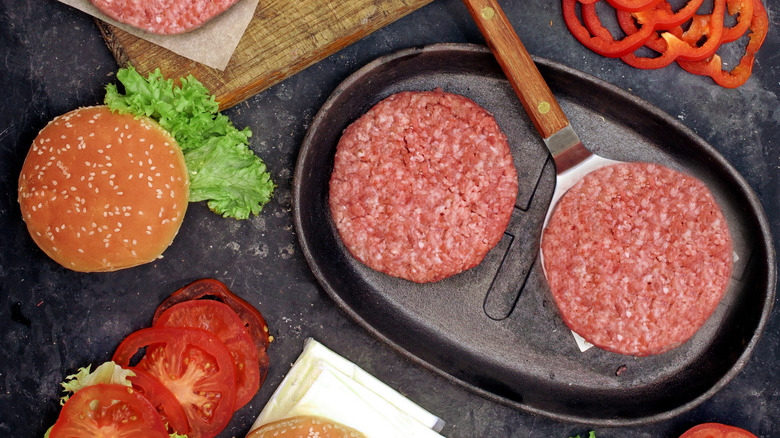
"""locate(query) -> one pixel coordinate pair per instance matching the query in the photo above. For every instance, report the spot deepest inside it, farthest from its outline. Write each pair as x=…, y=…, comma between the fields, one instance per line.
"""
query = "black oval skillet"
x=494, y=329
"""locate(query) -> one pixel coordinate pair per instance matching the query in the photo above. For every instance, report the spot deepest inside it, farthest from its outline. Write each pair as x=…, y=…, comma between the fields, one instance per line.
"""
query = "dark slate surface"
x=52, y=321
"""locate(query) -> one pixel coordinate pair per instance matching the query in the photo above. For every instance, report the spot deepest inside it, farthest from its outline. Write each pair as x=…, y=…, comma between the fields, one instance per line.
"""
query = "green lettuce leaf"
x=223, y=170
x=108, y=372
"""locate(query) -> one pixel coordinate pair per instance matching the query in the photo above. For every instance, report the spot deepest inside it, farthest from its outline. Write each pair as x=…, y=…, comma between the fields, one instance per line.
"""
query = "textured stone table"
x=52, y=321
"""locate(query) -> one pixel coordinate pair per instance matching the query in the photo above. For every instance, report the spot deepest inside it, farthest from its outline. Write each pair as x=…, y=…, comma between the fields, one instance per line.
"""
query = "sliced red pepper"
x=701, y=25
x=659, y=18
x=685, y=47
x=603, y=46
x=668, y=46
x=633, y=5
x=663, y=17
x=672, y=50
x=713, y=67
x=744, y=9
x=714, y=33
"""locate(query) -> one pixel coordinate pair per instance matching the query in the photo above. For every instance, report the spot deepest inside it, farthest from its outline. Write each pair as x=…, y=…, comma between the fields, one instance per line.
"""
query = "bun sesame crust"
x=102, y=191
x=305, y=426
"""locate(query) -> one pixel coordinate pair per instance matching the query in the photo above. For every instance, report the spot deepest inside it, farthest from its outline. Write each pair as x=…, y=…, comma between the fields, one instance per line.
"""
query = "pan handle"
x=527, y=81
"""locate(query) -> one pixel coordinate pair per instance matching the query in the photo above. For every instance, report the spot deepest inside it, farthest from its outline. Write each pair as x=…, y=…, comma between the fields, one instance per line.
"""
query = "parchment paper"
x=211, y=44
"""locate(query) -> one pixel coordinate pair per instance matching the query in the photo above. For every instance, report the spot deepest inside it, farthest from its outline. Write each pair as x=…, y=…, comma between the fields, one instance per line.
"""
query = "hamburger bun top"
x=305, y=426
x=101, y=191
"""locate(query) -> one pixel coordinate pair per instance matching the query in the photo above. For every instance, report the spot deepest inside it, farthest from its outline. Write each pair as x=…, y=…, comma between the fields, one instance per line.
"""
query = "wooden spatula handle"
x=518, y=66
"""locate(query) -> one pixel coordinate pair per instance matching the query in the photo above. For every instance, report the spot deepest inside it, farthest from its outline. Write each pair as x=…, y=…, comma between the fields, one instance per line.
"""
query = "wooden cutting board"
x=283, y=38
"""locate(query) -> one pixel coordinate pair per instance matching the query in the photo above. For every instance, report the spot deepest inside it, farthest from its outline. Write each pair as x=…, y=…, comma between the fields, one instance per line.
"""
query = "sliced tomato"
x=194, y=365
x=215, y=289
x=162, y=399
x=716, y=430
x=108, y=411
x=219, y=319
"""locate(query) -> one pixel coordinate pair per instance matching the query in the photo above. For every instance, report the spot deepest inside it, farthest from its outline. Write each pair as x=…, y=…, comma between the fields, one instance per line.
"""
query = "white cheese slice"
x=325, y=384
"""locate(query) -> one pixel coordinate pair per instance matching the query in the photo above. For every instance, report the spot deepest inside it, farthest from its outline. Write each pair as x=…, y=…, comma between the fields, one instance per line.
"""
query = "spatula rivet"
x=488, y=12
x=544, y=107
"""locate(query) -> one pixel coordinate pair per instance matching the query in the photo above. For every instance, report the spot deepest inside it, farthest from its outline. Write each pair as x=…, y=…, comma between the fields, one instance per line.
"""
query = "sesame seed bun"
x=304, y=426
x=101, y=191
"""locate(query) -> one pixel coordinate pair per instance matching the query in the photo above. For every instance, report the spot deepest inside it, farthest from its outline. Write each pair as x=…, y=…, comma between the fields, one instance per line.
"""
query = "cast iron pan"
x=495, y=329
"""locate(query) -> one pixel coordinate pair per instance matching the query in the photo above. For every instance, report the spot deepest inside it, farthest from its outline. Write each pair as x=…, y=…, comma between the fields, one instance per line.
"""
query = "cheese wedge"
x=324, y=384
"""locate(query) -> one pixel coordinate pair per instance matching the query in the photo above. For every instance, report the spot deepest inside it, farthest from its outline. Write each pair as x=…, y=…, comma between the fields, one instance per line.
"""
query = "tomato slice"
x=219, y=319
x=716, y=430
x=108, y=410
x=162, y=399
x=253, y=320
x=194, y=365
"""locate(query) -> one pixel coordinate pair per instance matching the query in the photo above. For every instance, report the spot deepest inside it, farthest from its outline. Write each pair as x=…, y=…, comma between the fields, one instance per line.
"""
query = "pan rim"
x=744, y=188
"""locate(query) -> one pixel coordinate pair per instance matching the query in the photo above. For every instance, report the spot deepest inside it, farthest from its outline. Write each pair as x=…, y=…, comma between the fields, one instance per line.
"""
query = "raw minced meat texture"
x=423, y=185
x=163, y=17
x=638, y=257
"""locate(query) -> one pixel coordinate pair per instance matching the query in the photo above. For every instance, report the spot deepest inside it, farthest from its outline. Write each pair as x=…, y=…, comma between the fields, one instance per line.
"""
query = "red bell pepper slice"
x=714, y=33
x=701, y=24
x=667, y=45
x=633, y=5
x=663, y=16
x=603, y=46
x=713, y=68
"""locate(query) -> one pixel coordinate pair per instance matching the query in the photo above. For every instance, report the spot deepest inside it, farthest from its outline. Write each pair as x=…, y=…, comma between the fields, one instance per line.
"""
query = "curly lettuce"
x=223, y=170
x=108, y=372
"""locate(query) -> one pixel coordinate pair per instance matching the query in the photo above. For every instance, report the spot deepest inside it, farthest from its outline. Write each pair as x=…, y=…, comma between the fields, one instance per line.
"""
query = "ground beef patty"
x=637, y=256
x=163, y=17
x=423, y=185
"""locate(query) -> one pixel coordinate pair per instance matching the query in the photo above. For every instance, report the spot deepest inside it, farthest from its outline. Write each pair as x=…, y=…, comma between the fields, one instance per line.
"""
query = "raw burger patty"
x=163, y=17
x=423, y=185
x=638, y=257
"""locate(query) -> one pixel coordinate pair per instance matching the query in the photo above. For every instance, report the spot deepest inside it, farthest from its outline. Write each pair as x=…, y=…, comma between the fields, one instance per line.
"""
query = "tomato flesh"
x=251, y=317
x=162, y=399
x=716, y=430
x=220, y=320
x=108, y=410
x=209, y=287
x=194, y=365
